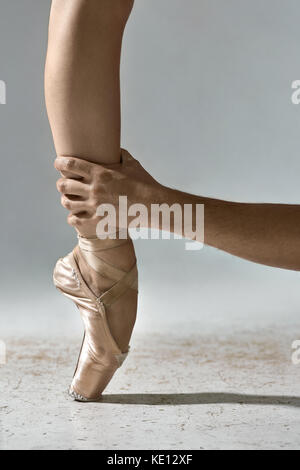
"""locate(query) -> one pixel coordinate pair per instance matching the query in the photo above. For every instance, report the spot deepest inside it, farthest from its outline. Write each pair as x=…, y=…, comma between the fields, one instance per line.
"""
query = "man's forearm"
x=263, y=233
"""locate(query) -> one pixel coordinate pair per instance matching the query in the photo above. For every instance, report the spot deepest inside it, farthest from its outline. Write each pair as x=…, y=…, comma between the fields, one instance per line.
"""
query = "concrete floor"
x=210, y=366
x=204, y=392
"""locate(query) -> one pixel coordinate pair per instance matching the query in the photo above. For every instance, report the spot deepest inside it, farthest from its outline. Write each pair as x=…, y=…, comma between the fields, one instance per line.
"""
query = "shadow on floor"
x=200, y=399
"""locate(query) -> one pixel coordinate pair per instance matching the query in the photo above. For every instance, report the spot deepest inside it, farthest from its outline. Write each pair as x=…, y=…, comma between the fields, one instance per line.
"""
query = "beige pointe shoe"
x=100, y=356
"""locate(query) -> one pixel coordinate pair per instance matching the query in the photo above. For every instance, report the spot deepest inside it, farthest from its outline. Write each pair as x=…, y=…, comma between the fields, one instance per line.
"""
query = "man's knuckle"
x=91, y=205
x=65, y=202
x=64, y=187
x=94, y=191
x=60, y=185
x=73, y=220
x=70, y=163
x=107, y=176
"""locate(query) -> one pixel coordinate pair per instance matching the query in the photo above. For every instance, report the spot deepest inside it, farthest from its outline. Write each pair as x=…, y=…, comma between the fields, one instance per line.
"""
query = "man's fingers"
x=74, y=165
x=72, y=187
x=74, y=206
x=78, y=220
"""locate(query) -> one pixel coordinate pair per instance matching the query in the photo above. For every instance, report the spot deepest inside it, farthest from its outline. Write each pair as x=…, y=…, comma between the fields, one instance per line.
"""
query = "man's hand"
x=84, y=186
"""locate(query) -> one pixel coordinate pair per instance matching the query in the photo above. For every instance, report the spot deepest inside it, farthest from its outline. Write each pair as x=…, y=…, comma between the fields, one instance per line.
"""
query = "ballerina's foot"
x=108, y=317
x=121, y=316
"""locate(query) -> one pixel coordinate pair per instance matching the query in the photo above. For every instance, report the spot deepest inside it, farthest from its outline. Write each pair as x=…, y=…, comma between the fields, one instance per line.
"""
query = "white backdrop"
x=206, y=99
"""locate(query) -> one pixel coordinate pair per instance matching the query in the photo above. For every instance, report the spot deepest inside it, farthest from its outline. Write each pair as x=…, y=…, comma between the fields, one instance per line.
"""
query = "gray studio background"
x=206, y=98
